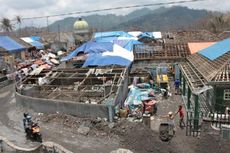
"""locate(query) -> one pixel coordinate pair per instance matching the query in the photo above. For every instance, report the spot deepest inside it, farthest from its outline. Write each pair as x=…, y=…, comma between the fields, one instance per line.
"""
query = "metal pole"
x=196, y=113
x=59, y=35
x=188, y=99
x=184, y=82
x=180, y=75
x=47, y=22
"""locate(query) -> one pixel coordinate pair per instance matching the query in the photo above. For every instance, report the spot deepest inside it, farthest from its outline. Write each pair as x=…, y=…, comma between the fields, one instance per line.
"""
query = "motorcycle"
x=33, y=132
x=166, y=130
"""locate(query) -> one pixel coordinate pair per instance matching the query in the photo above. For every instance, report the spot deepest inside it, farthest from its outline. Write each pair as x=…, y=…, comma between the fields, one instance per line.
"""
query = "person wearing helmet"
x=27, y=120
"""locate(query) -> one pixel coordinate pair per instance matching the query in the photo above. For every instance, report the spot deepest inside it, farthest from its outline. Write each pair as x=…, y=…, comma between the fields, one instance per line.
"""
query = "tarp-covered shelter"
x=134, y=33
x=112, y=34
x=10, y=45
x=124, y=42
x=90, y=47
x=34, y=41
x=127, y=44
x=119, y=56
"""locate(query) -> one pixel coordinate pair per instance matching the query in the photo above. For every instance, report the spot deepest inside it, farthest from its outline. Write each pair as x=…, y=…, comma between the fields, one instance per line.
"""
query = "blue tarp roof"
x=112, y=34
x=127, y=44
x=34, y=41
x=216, y=50
x=105, y=39
x=145, y=35
x=90, y=47
x=119, y=56
x=10, y=45
x=35, y=38
x=100, y=60
x=37, y=44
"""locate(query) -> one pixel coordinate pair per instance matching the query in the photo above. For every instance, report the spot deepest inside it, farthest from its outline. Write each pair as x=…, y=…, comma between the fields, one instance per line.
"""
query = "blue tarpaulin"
x=145, y=35
x=127, y=44
x=121, y=41
x=100, y=60
x=35, y=38
x=90, y=47
x=112, y=34
x=105, y=39
x=37, y=44
x=137, y=95
x=10, y=45
x=33, y=41
x=119, y=56
x=216, y=50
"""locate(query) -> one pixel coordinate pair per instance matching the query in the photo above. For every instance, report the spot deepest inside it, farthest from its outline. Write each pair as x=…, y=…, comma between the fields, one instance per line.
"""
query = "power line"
x=113, y=8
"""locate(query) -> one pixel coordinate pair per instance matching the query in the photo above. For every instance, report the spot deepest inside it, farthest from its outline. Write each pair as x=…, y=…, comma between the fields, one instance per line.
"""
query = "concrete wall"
x=65, y=107
x=46, y=147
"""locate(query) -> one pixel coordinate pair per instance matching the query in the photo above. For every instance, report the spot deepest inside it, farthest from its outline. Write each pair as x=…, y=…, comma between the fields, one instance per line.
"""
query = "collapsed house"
x=82, y=89
x=149, y=57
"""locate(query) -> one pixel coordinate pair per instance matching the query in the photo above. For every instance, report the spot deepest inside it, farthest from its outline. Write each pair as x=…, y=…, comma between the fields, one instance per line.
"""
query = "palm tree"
x=19, y=22
x=6, y=25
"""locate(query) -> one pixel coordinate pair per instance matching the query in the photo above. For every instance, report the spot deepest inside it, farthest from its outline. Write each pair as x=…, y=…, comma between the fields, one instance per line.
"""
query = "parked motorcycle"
x=33, y=132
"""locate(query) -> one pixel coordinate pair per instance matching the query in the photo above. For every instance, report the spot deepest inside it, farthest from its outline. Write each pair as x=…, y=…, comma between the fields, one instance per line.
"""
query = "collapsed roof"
x=88, y=85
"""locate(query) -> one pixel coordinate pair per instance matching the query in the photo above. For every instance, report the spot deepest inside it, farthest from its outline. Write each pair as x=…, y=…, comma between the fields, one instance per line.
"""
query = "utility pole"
x=47, y=22
x=59, y=35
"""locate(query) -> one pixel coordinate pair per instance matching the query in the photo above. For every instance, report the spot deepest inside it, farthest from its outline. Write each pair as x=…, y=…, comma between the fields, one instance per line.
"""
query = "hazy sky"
x=31, y=8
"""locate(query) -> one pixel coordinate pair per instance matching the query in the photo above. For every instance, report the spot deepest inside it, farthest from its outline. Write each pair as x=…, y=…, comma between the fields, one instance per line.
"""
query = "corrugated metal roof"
x=194, y=47
x=216, y=50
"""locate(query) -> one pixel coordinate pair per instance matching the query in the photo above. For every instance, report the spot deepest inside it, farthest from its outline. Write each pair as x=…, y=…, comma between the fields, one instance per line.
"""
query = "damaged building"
x=205, y=83
x=151, y=58
x=208, y=68
x=85, y=92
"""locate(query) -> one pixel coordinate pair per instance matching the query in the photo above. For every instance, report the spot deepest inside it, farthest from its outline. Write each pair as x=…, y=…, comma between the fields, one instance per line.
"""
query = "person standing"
x=181, y=114
x=177, y=86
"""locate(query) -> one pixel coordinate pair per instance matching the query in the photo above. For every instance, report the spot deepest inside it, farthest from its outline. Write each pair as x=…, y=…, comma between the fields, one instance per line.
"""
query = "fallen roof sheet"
x=216, y=50
x=194, y=47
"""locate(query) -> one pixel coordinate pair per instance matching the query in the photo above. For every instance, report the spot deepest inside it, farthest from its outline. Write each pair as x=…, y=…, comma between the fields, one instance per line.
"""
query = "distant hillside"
x=99, y=22
x=165, y=19
x=144, y=19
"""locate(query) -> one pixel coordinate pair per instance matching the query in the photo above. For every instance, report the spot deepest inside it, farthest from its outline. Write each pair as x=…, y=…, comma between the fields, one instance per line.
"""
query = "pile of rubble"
x=134, y=136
